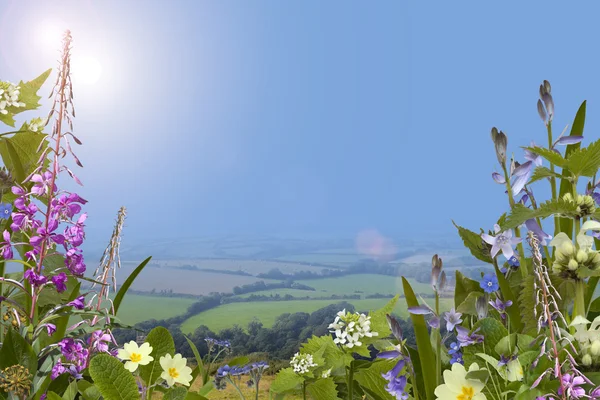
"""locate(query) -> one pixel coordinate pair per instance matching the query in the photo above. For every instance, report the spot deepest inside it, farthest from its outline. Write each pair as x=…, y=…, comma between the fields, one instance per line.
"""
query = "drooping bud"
x=546, y=98
x=595, y=348
x=436, y=270
x=394, y=327
x=541, y=111
x=481, y=306
x=581, y=256
x=500, y=143
x=442, y=282
x=572, y=265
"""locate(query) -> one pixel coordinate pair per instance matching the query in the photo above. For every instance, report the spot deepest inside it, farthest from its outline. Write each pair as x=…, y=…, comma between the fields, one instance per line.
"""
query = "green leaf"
x=507, y=345
x=15, y=350
x=474, y=243
x=286, y=381
x=541, y=173
x=322, y=389
x=176, y=393
x=549, y=155
x=88, y=391
x=20, y=155
x=566, y=186
x=528, y=357
x=519, y=213
x=71, y=391
x=28, y=95
x=424, y=348
x=513, y=311
x=194, y=396
x=52, y=396
x=335, y=358
x=199, y=361
x=379, y=320
x=128, y=282
x=112, y=379
x=162, y=343
x=464, y=287
x=468, y=305
x=205, y=390
x=586, y=161
x=492, y=330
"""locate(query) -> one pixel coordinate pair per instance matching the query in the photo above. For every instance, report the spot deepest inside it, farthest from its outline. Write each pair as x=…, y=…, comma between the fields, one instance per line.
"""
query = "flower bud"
x=541, y=111
x=567, y=248
x=556, y=268
x=568, y=197
x=572, y=265
x=436, y=269
x=481, y=306
x=586, y=360
x=500, y=143
x=581, y=256
x=595, y=348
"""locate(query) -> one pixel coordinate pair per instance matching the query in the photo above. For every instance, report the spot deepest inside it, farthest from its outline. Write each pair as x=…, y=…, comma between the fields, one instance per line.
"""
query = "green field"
x=137, y=308
x=366, y=283
x=241, y=314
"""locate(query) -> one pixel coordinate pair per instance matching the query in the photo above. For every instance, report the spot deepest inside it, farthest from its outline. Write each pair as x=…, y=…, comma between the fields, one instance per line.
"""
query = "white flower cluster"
x=9, y=97
x=36, y=125
x=302, y=363
x=350, y=328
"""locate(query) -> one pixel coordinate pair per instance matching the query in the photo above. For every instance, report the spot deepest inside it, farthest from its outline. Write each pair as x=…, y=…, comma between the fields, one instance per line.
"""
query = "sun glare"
x=86, y=70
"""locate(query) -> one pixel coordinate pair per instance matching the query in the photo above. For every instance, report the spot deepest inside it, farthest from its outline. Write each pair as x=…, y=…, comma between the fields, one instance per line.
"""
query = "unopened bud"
x=586, y=360
x=500, y=143
x=568, y=197
x=595, y=348
x=572, y=265
x=541, y=111
x=567, y=248
x=481, y=306
x=581, y=256
x=436, y=269
x=442, y=283
x=556, y=268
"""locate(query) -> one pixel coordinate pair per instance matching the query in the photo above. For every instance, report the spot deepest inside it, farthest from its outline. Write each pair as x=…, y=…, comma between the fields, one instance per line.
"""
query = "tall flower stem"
x=438, y=348
x=304, y=390
x=511, y=202
x=579, y=306
x=350, y=383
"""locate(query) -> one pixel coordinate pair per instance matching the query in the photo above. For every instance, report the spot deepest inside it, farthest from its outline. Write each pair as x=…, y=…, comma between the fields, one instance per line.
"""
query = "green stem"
x=257, y=383
x=237, y=388
x=579, y=307
x=304, y=390
x=351, y=383
x=511, y=201
x=438, y=349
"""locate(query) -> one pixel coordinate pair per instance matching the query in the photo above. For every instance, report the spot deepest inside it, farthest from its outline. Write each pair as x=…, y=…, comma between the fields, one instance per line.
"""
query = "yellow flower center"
x=466, y=393
x=135, y=357
x=173, y=372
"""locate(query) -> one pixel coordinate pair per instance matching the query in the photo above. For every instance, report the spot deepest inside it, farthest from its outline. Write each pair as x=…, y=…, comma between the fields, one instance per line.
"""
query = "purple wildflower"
x=454, y=347
x=25, y=217
x=60, y=282
x=498, y=178
x=75, y=234
x=66, y=206
x=452, y=318
x=571, y=384
x=57, y=370
x=501, y=306
x=397, y=388
x=5, y=246
x=47, y=234
x=489, y=283
x=542, y=236
x=502, y=241
x=457, y=358
x=42, y=183
x=74, y=261
x=465, y=338
x=77, y=303
x=35, y=279
x=393, y=373
x=50, y=328
x=99, y=340
x=566, y=140
x=434, y=322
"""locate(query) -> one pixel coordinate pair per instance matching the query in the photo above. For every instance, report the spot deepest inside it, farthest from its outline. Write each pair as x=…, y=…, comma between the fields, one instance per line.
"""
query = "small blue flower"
x=457, y=358
x=454, y=348
x=514, y=262
x=5, y=210
x=489, y=283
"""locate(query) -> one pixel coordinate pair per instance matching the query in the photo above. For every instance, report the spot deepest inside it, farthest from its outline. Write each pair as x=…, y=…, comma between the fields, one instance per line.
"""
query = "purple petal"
x=498, y=178
x=434, y=322
x=520, y=183
x=389, y=354
x=523, y=169
x=419, y=310
x=565, y=140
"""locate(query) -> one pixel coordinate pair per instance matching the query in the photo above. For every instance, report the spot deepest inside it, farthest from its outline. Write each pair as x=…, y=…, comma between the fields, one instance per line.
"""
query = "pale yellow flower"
x=457, y=387
x=135, y=355
x=175, y=370
x=514, y=370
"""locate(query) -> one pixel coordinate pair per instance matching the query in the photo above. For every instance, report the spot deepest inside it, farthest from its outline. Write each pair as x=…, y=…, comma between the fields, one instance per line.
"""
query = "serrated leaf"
x=175, y=393
x=335, y=358
x=162, y=343
x=474, y=243
x=519, y=213
x=322, y=389
x=379, y=322
x=287, y=380
x=16, y=350
x=371, y=379
x=112, y=379
x=28, y=95
x=20, y=155
x=464, y=287
x=549, y=155
x=541, y=173
x=585, y=161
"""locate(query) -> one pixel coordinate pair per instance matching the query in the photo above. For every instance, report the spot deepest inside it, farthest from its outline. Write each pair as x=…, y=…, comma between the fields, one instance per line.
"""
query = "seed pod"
x=500, y=143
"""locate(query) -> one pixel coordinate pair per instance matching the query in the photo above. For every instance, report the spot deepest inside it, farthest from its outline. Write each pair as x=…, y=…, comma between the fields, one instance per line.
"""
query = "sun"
x=86, y=70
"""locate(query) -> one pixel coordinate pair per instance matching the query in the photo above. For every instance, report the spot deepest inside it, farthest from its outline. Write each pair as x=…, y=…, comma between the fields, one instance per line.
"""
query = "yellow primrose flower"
x=514, y=370
x=457, y=387
x=135, y=355
x=175, y=370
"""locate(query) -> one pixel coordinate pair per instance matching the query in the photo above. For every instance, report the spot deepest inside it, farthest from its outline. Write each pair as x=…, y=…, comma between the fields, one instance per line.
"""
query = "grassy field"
x=241, y=314
x=283, y=292
x=366, y=283
x=137, y=308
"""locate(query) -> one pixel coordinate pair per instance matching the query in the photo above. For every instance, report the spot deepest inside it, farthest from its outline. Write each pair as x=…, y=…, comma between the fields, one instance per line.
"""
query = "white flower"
x=326, y=374
x=135, y=355
x=350, y=328
x=302, y=363
x=175, y=370
x=457, y=386
x=36, y=125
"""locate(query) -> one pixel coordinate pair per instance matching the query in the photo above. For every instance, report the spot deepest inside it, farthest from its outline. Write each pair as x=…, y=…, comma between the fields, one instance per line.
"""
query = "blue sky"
x=298, y=117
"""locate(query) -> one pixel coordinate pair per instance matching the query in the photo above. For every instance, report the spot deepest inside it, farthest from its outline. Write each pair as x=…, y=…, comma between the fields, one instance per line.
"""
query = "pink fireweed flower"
x=66, y=207
x=47, y=234
x=35, y=279
x=60, y=281
x=5, y=246
x=502, y=241
x=75, y=234
x=42, y=183
x=99, y=341
x=74, y=261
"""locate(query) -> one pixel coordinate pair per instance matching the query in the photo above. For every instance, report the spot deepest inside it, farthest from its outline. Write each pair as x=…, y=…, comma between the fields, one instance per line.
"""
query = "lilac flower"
x=524, y=171
x=47, y=234
x=50, y=328
x=99, y=340
x=454, y=347
x=74, y=261
x=77, y=303
x=6, y=247
x=42, y=183
x=25, y=218
x=489, y=283
x=566, y=140
x=502, y=241
x=457, y=358
x=534, y=158
x=393, y=373
x=35, y=279
x=396, y=387
x=466, y=339
x=504, y=360
x=57, y=370
x=571, y=384
x=452, y=318
x=595, y=394
x=5, y=210
x=542, y=236
x=60, y=282
x=389, y=354
x=75, y=234
x=501, y=306
x=498, y=178
x=434, y=322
